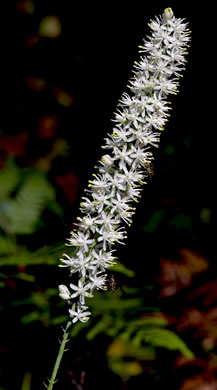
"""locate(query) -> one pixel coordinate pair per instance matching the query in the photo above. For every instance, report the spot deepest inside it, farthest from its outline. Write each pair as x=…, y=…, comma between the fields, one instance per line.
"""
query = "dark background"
x=91, y=61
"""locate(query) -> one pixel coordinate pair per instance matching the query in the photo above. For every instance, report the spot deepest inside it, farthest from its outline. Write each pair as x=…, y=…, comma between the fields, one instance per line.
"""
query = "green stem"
x=53, y=380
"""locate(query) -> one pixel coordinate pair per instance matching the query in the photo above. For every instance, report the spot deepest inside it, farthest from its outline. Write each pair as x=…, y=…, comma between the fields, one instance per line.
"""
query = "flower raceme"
x=120, y=174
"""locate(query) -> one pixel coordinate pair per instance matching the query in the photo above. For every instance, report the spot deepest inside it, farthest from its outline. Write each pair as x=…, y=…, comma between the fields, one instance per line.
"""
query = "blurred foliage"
x=26, y=385
x=135, y=330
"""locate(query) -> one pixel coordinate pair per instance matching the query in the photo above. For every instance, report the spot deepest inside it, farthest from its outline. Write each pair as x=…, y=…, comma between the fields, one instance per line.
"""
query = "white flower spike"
x=139, y=119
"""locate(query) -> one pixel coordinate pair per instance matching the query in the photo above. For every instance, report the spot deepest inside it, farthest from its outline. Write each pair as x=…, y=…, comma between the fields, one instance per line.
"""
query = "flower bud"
x=64, y=292
x=168, y=13
x=106, y=159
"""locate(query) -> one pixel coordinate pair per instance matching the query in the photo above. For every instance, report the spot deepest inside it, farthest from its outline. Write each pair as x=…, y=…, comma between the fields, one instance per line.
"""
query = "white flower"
x=119, y=135
x=120, y=204
x=107, y=221
x=123, y=154
x=80, y=314
x=70, y=262
x=131, y=176
x=99, y=182
x=166, y=86
x=81, y=291
x=80, y=239
x=121, y=117
x=101, y=259
x=140, y=155
x=98, y=281
x=87, y=205
x=81, y=263
x=87, y=222
x=110, y=237
x=101, y=200
x=145, y=66
x=156, y=120
x=116, y=182
x=133, y=192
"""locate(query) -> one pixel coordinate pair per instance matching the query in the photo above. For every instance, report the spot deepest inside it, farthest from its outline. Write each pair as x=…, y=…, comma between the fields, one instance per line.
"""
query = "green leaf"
x=30, y=317
x=164, y=338
x=26, y=277
x=149, y=320
x=111, y=303
x=114, y=330
x=118, y=267
x=59, y=320
x=182, y=221
x=138, y=325
x=26, y=385
x=78, y=327
x=154, y=221
x=125, y=369
x=7, y=246
x=48, y=255
x=124, y=357
x=169, y=150
x=100, y=327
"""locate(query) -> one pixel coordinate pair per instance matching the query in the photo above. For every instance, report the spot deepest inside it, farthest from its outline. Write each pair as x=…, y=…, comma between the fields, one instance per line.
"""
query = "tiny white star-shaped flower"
x=81, y=291
x=80, y=314
x=101, y=259
x=80, y=239
x=98, y=281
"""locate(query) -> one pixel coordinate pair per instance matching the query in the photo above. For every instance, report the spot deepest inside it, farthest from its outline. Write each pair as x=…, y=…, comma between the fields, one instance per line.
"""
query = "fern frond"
x=21, y=214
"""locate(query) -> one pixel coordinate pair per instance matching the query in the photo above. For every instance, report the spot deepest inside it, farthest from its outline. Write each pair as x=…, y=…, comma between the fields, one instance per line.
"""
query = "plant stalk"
x=53, y=379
